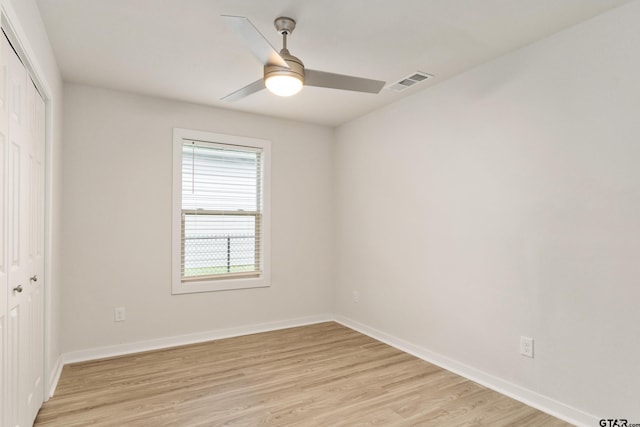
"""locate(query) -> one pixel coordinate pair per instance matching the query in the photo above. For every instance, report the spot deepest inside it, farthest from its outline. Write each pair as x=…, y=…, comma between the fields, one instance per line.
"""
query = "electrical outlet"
x=526, y=346
x=355, y=296
x=119, y=314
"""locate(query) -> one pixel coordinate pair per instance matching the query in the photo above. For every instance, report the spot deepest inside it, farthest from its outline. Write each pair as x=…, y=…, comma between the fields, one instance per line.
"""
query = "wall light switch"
x=120, y=315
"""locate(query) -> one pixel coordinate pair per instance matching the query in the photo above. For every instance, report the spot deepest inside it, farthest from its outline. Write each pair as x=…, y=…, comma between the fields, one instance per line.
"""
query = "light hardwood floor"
x=317, y=375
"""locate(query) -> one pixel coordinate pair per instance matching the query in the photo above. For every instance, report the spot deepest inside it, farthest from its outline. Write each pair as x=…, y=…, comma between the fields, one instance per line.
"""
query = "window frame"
x=204, y=284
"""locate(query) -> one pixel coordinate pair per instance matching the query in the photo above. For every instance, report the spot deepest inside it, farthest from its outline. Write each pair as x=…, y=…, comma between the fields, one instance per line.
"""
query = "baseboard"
x=526, y=396
x=54, y=377
x=159, y=343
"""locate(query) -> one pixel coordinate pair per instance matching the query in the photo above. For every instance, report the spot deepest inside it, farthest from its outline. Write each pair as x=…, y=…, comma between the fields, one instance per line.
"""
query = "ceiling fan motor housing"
x=296, y=67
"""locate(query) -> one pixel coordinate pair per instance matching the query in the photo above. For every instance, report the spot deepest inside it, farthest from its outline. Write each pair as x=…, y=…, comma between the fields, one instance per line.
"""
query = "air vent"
x=409, y=81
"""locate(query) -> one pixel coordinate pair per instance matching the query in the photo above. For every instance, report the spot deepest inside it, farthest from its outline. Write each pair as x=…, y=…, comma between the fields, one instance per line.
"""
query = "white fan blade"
x=254, y=87
x=256, y=42
x=341, y=81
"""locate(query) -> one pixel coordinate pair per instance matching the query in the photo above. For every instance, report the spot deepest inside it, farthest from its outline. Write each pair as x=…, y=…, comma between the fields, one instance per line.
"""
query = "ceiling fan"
x=284, y=74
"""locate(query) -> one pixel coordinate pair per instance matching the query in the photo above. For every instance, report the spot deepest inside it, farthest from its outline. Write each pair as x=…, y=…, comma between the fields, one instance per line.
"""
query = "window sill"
x=196, y=286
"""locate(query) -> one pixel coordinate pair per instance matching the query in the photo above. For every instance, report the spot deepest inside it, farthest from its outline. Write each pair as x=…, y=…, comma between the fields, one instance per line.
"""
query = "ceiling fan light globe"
x=283, y=85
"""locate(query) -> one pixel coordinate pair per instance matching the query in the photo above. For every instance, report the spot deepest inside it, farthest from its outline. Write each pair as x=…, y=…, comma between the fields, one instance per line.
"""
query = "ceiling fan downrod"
x=284, y=26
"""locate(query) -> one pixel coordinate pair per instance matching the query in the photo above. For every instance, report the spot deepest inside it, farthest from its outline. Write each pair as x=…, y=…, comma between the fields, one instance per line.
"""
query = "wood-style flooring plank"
x=318, y=375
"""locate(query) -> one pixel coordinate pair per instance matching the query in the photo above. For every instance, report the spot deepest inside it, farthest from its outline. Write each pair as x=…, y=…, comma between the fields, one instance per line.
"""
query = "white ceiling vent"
x=409, y=81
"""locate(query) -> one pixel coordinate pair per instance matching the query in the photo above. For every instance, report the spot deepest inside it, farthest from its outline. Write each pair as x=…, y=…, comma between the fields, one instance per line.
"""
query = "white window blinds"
x=222, y=211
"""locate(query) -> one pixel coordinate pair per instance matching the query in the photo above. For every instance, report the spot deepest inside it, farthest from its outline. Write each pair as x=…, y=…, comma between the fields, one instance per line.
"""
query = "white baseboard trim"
x=54, y=377
x=159, y=343
x=526, y=396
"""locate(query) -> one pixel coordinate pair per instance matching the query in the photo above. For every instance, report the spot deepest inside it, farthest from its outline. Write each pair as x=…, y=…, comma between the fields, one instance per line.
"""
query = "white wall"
x=117, y=221
x=506, y=202
x=24, y=17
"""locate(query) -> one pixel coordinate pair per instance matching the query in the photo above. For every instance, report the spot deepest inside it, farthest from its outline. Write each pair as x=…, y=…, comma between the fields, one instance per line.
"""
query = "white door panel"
x=22, y=243
x=4, y=286
x=17, y=296
x=34, y=245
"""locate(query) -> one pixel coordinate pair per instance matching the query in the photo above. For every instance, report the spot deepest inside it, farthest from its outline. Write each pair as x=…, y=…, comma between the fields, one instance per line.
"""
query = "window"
x=221, y=212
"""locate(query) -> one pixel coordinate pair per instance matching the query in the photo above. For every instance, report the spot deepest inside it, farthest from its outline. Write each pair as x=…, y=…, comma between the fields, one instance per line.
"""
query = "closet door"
x=4, y=284
x=17, y=326
x=35, y=253
x=23, y=198
x=33, y=241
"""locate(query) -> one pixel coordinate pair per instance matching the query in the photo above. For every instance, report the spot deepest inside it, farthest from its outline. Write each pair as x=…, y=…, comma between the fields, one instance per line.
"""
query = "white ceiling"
x=183, y=50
